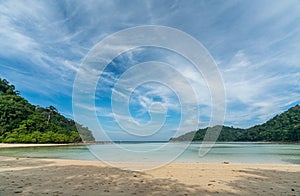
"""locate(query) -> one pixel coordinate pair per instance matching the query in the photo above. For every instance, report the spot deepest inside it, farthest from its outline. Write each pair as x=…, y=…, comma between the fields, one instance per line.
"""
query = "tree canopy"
x=22, y=122
x=284, y=128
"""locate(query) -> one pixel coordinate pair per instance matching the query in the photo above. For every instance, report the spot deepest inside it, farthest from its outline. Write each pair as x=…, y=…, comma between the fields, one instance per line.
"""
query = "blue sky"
x=254, y=43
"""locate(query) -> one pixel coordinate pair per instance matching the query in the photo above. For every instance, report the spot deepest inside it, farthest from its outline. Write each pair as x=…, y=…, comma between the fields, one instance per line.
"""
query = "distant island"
x=281, y=128
x=22, y=122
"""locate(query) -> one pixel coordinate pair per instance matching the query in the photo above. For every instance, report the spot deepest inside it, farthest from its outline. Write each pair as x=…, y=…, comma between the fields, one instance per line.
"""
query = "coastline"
x=18, y=145
x=32, y=176
x=13, y=145
x=254, y=142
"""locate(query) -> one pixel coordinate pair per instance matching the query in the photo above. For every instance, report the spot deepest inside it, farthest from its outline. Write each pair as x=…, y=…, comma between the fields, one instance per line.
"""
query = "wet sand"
x=28, y=176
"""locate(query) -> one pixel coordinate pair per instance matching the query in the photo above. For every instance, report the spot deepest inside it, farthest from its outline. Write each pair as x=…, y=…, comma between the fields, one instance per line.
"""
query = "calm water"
x=231, y=152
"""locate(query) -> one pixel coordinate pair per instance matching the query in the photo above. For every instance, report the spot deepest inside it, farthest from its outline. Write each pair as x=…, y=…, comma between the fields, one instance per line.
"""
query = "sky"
x=255, y=45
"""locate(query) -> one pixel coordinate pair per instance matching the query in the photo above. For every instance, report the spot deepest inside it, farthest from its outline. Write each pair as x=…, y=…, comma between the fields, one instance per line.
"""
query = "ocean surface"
x=233, y=152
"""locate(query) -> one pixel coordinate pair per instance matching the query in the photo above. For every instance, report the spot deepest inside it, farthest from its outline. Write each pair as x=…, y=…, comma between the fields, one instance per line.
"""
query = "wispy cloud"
x=255, y=44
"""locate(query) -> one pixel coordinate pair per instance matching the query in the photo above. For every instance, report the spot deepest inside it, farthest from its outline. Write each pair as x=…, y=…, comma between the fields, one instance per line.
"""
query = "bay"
x=233, y=152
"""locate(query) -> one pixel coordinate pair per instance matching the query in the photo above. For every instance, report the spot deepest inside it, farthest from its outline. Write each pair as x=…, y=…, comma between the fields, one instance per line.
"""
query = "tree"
x=282, y=127
x=50, y=110
x=23, y=122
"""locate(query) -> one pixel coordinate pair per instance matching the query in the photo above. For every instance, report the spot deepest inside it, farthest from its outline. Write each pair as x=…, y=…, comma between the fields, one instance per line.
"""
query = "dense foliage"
x=22, y=122
x=284, y=127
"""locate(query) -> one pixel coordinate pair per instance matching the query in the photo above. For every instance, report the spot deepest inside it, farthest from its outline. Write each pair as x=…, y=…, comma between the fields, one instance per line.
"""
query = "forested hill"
x=284, y=127
x=22, y=122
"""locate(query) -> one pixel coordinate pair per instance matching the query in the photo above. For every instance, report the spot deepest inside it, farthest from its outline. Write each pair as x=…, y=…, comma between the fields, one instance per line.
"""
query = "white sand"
x=70, y=177
x=4, y=145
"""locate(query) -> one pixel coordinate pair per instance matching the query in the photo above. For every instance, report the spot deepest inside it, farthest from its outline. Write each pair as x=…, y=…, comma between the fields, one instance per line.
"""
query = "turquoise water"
x=238, y=152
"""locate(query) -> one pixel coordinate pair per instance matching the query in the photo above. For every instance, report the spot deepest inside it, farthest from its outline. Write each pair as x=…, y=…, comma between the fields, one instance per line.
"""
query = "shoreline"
x=35, y=176
x=254, y=142
x=18, y=145
x=12, y=145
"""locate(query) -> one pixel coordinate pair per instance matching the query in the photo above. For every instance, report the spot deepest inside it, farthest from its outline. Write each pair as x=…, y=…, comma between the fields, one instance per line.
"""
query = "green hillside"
x=22, y=122
x=284, y=127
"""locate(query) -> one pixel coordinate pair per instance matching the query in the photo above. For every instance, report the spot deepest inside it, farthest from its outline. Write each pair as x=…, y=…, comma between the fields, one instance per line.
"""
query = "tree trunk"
x=49, y=116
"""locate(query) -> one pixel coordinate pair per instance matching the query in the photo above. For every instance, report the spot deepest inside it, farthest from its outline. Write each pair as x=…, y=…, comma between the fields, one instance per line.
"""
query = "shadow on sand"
x=267, y=182
x=35, y=177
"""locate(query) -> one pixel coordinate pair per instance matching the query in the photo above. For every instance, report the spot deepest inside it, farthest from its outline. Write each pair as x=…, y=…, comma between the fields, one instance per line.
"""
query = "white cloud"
x=258, y=88
x=256, y=45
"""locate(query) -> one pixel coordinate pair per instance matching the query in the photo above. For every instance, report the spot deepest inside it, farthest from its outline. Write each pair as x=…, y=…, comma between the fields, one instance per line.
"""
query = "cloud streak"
x=255, y=45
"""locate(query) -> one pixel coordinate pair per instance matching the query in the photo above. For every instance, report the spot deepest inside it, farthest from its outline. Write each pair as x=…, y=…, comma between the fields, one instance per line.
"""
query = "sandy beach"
x=4, y=145
x=28, y=176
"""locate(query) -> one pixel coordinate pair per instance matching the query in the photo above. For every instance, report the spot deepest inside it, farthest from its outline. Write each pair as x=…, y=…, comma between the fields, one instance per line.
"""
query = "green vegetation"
x=284, y=128
x=22, y=122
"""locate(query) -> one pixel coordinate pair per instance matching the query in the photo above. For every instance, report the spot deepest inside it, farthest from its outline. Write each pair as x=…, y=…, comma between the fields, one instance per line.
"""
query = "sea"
x=220, y=152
